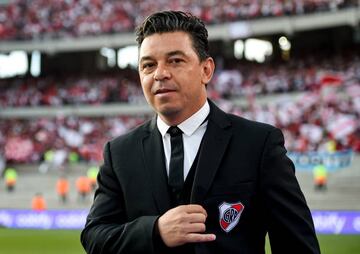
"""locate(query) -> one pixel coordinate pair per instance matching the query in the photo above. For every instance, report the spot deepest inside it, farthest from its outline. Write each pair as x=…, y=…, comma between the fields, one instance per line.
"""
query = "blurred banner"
x=332, y=161
x=337, y=222
x=55, y=219
x=326, y=222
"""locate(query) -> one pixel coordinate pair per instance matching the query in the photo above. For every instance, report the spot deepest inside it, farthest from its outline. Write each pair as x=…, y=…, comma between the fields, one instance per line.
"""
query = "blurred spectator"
x=320, y=177
x=10, y=177
x=62, y=189
x=83, y=187
x=47, y=162
x=92, y=173
x=73, y=158
x=38, y=203
x=54, y=159
x=60, y=158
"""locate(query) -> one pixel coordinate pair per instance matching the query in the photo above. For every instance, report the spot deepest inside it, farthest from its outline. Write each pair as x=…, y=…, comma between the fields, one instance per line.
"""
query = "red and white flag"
x=18, y=149
x=342, y=126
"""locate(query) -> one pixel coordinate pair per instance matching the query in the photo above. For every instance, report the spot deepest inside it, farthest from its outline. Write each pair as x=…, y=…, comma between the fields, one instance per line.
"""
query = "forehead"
x=160, y=44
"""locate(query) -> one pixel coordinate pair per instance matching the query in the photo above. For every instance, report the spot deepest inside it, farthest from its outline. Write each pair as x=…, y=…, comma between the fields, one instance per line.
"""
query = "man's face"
x=172, y=77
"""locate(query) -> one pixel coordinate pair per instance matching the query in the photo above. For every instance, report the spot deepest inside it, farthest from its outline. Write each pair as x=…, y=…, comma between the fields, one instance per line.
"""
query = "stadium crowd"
x=24, y=140
x=56, y=91
x=37, y=19
x=310, y=123
x=327, y=111
x=238, y=79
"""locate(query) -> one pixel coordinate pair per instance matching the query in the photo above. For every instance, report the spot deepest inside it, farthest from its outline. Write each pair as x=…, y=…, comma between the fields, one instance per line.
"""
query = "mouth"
x=164, y=91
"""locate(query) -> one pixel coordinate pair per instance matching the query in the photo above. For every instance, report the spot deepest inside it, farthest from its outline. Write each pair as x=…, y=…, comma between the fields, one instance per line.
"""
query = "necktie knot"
x=174, y=131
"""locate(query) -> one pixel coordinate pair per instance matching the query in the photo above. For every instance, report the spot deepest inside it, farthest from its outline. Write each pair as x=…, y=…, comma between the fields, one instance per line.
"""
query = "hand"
x=184, y=224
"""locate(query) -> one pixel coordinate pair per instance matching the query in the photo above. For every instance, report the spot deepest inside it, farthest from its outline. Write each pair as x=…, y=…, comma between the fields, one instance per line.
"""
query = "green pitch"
x=16, y=241
x=68, y=241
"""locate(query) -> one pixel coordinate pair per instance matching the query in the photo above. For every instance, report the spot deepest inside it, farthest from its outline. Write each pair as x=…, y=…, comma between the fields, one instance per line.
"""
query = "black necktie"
x=176, y=168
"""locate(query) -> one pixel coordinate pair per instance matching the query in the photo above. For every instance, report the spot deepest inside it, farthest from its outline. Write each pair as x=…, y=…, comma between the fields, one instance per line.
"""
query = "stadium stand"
x=307, y=73
x=308, y=123
x=37, y=19
x=26, y=141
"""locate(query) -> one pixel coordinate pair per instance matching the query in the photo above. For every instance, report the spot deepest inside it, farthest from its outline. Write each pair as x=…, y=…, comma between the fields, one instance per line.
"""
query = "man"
x=236, y=183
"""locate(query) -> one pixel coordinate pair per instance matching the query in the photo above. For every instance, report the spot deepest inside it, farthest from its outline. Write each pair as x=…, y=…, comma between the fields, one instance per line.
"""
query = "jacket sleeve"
x=107, y=229
x=288, y=217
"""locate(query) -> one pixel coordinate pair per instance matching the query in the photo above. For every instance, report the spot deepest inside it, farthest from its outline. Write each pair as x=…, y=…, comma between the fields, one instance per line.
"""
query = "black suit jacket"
x=240, y=161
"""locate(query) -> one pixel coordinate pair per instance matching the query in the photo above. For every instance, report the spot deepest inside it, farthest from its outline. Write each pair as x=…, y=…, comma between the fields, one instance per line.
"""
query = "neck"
x=172, y=120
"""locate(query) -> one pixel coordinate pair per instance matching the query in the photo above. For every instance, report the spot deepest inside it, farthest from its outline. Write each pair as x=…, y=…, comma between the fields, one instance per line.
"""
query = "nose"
x=161, y=73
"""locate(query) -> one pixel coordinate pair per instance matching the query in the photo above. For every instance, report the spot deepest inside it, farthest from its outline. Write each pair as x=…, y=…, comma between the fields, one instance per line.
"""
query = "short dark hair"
x=173, y=21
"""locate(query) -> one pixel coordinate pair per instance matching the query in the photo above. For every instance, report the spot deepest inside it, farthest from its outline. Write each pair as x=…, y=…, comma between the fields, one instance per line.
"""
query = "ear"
x=208, y=68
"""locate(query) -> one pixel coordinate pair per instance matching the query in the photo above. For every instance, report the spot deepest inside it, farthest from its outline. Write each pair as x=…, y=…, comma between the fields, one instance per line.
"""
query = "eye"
x=147, y=65
x=176, y=60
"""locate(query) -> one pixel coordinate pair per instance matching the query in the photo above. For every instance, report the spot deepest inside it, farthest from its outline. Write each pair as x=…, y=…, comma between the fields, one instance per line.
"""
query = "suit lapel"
x=215, y=141
x=155, y=164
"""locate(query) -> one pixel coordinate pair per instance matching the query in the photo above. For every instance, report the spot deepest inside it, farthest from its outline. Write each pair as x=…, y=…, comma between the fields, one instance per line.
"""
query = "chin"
x=168, y=111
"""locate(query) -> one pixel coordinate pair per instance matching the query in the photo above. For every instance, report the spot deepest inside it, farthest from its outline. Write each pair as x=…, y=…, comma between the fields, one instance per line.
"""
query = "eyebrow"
x=169, y=54
x=176, y=52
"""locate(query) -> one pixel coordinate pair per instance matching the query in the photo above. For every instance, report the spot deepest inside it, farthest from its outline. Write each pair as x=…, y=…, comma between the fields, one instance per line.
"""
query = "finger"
x=195, y=228
x=197, y=238
x=195, y=209
x=196, y=218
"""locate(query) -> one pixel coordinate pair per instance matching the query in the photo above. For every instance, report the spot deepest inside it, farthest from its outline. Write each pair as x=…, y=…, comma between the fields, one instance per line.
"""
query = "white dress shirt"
x=193, y=130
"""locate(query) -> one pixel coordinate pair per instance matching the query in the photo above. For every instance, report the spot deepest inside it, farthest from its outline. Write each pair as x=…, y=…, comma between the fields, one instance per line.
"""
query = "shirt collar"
x=190, y=125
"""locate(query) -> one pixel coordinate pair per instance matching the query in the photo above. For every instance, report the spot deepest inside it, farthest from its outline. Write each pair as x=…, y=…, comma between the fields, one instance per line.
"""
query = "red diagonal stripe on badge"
x=224, y=224
x=238, y=207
